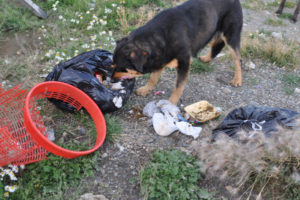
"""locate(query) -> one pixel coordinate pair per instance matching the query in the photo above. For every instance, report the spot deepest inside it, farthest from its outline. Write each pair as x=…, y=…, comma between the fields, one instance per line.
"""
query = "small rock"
x=91, y=196
x=226, y=90
x=104, y=155
x=297, y=90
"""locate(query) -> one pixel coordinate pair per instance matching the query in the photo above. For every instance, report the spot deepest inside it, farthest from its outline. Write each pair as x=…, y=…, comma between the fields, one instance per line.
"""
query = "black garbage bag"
x=81, y=71
x=254, y=118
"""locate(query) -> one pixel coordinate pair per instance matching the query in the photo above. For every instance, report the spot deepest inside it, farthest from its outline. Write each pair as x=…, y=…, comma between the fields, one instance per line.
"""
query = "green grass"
x=274, y=22
x=172, y=175
x=200, y=67
x=51, y=179
x=138, y=3
x=286, y=16
x=291, y=81
x=288, y=4
x=13, y=18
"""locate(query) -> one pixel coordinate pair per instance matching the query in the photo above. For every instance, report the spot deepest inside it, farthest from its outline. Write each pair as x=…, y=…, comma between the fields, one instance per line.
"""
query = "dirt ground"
x=120, y=162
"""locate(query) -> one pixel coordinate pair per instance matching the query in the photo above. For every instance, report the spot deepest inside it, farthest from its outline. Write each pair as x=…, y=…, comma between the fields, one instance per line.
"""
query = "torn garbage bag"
x=257, y=118
x=92, y=72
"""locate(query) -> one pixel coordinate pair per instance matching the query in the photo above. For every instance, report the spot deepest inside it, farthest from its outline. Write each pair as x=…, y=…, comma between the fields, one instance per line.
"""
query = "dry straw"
x=255, y=165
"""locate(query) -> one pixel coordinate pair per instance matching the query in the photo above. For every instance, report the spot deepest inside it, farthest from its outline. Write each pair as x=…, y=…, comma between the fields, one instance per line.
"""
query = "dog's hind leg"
x=215, y=48
x=294, y=18
x=182, y=74
x=281, y=6
x=234, y=48
x=232, y=38
x=154, y=77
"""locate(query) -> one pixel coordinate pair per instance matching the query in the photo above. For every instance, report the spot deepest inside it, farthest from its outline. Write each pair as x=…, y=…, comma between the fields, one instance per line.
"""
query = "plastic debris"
x=159, y=92
x=51, y=135
x=166, y=119
x=163, y=124
x=93, y=73
x=187, y=129
x=202, y=111
x=257, y=118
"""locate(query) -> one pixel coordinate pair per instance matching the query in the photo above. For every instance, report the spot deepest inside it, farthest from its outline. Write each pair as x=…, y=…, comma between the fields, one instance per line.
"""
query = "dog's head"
x=130, y=55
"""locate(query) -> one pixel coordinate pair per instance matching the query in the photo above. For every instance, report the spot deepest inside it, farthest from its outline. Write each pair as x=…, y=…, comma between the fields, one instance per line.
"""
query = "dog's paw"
x=236, y=82
x=206, y=58
x=143, y=91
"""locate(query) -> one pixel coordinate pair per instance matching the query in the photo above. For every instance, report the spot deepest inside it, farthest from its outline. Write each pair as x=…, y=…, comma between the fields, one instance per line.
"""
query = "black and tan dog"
x=296, y=12
x=176, y=35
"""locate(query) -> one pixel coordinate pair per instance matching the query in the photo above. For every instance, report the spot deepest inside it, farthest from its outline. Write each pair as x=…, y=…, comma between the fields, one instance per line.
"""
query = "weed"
x=14, y=18
x=113, y=127
x=200, y=67
x=273, y=22
x=276, y=3
x=50, y=179
x=172, y=175
x=282, y=53
x=138, y=3
x=291, y=81
x=286, y=16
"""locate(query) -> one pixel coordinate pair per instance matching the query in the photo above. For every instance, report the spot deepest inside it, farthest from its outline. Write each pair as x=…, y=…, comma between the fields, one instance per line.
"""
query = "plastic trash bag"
x=81, y=72
x=257, y=118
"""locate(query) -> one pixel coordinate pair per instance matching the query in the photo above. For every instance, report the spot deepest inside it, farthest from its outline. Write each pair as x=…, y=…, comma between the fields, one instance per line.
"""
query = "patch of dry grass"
x=257, y=167
x=281, y=52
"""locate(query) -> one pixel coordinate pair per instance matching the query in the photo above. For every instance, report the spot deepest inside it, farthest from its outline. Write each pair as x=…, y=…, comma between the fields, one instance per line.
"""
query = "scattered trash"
x=276, y=35
x=159, y=92
x=166, y=119
x=91, y=196
x=250, y=65
x=202, y=111
x=187, y=129
x=221, y=55
x=161, y=106
x=51, y=135
x=92, y=72
x=164, y=124
x=257, y=118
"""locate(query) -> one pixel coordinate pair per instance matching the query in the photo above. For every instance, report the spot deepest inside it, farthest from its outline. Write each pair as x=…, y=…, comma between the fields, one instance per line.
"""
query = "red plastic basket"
x=16, y=144
x=23, y=137
x=74, y=97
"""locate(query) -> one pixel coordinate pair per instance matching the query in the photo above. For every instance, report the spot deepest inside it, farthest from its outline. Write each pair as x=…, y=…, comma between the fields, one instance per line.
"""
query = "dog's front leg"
x=182, y=74
x=154, y=77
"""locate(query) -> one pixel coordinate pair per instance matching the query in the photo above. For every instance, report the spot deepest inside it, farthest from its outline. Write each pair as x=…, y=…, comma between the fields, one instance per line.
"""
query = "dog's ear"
x=139, y=58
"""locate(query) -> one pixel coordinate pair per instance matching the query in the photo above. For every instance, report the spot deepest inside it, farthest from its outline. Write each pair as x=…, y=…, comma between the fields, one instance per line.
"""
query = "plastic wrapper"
x=92, y=72
x=257, y=118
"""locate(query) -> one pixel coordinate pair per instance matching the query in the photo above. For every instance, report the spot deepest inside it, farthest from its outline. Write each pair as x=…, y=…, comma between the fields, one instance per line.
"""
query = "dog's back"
x=202, y=19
